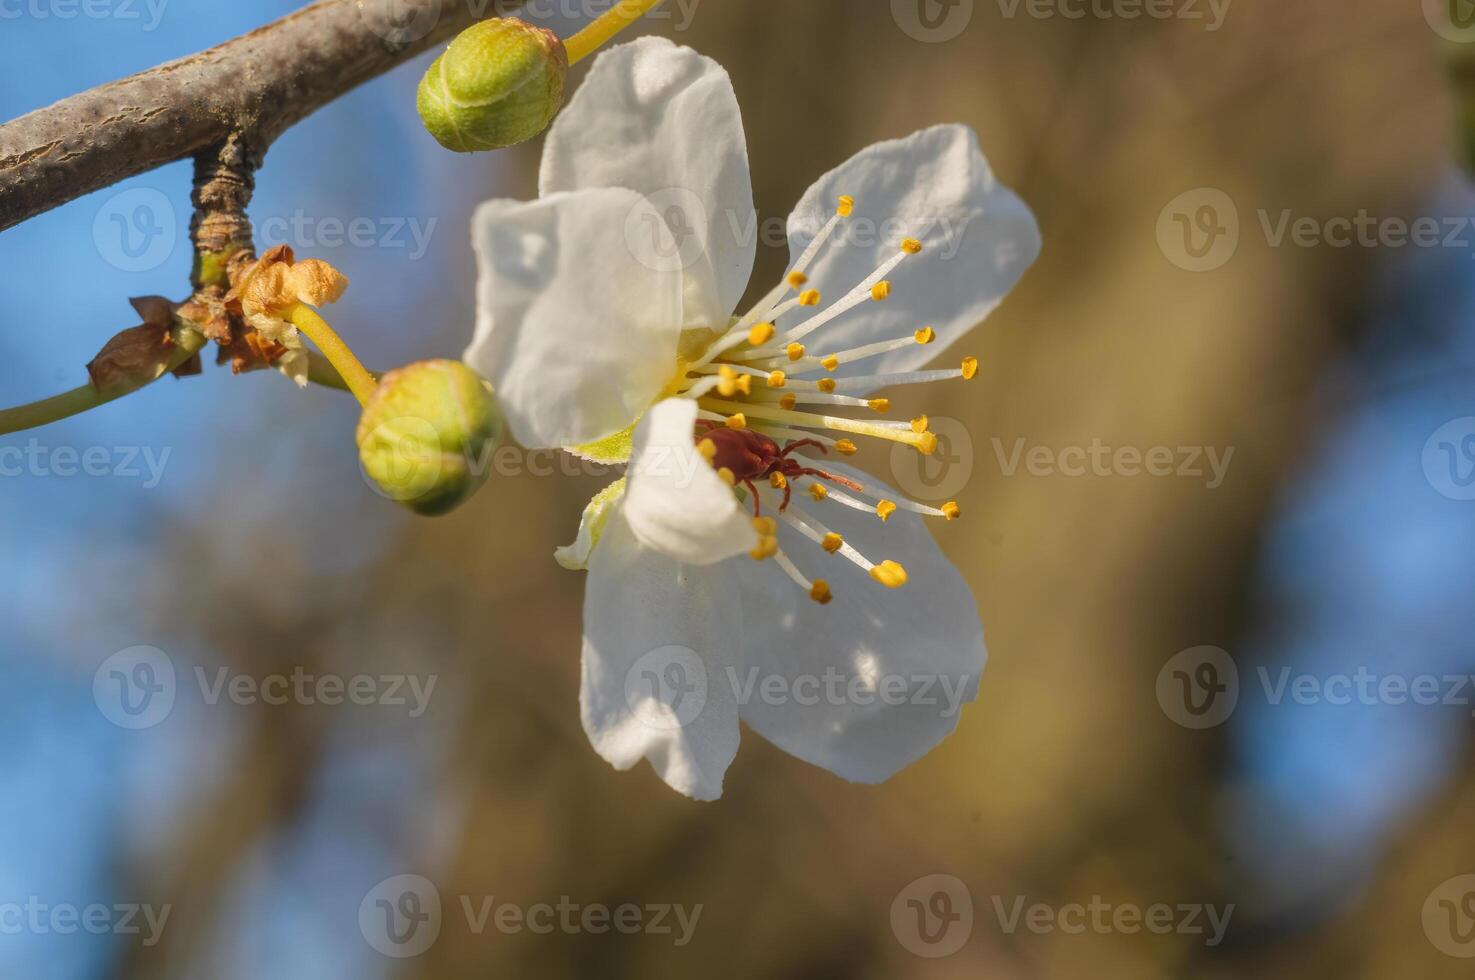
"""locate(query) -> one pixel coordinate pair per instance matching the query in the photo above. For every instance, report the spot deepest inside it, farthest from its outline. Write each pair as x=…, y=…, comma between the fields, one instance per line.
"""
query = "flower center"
x=763, y=395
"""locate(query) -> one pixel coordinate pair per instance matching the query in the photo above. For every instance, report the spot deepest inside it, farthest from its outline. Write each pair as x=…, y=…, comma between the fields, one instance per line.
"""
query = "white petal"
x=576, y=336
x=674, y=500
x=658, y=640
x=919, y=647
x=978, y=239
x=596, y=517
x=664, y=121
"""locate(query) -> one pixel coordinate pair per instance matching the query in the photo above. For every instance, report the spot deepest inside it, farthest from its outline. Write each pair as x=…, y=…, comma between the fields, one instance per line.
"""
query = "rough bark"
x=245, y=91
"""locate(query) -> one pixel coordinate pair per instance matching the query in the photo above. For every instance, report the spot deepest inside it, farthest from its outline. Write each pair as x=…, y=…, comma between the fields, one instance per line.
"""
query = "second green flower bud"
x=499, y=83
x=427, y=435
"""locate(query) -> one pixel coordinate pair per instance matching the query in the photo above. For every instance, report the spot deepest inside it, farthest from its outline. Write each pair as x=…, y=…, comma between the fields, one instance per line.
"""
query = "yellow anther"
x=744, y=384
x=765, y=526
x=738, y=421
x=796, y=280
x=795, y=351
x=846, y=448
x=727, y=476
x=820, y=592
x=926, y=335
x=832, y=542
x=767, y=548
x=920, y=424
x=970, y=368
x=890, y=574
x=885, y=509
x=881, y=290
x=708, y=449
x=809, y=297
x=880, y=404
x=788, y=402
x=826, y=385
x=761, y=333
x=777, y=379
x=727, y=383
x=778, y=481
x=830, y=363
x=951, y=511
x=847, y=206
x=818, y=491
x=927, y=445
x=911, y=246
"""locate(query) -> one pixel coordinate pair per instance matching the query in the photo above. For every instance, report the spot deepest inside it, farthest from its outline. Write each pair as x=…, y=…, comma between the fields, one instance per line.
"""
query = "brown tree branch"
x=245, y=91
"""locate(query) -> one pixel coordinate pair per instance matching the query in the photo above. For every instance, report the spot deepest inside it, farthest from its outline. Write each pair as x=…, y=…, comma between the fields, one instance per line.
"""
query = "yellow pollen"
x=951, y=511
x=727, y=384
x=920, y=424
x=847, y=206
x=826, y=385
x=795, y=351
x=880, y=404
x=818, y=491
x=777, y=379
x=928, y=443
x=846, y=448
x=970, y=368
x=797, y=279
x=745, y=384
x=881, y=290
x=926, y=335
x=788, y=402
x=738, y=421
x=708, y=449
x=832, y=542
x=761, y=333
x=765, y=526
x=727, y=476
x=778, y=481
x=885, y=509
x=911, y=246
x=820, y=592
x=767, y=548
x=830, y=363
x=890, y=574
x=809, y=298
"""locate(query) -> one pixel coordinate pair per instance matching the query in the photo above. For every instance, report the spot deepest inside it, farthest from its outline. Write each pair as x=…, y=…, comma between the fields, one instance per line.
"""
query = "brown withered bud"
x=139, y=354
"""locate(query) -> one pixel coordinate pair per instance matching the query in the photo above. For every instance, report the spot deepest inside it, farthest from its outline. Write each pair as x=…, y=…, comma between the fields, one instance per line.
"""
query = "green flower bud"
x=499, y=83
x=427, y=435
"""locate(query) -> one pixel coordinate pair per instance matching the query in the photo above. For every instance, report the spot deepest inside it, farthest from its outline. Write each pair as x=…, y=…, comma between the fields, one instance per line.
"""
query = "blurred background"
x=1159, y=723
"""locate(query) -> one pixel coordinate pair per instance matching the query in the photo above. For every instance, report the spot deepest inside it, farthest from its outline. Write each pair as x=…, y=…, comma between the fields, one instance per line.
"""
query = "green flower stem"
x=187, y=343
x=359, y=381
x=605, y=27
